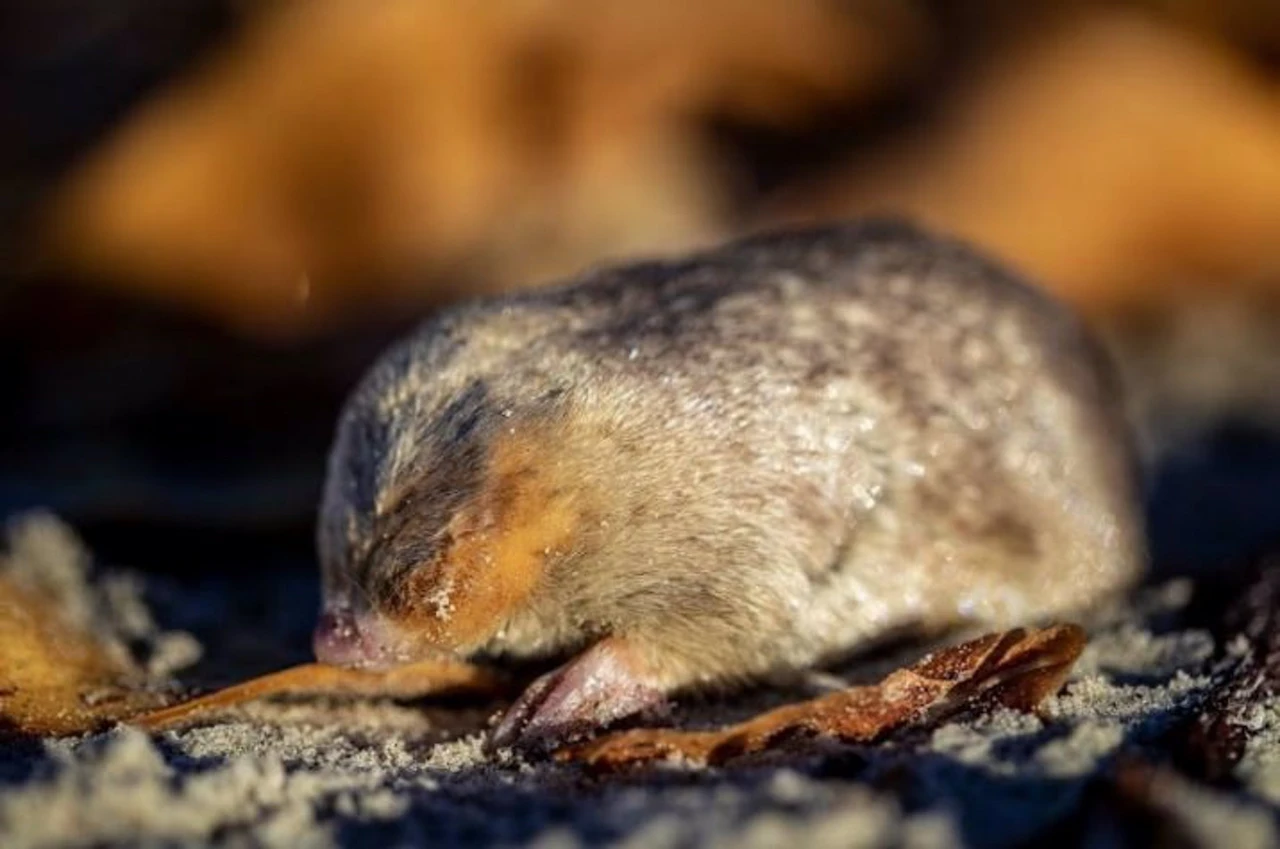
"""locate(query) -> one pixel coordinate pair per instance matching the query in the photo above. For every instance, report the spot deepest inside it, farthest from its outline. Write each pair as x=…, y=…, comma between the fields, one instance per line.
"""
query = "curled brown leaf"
x=1018, y=668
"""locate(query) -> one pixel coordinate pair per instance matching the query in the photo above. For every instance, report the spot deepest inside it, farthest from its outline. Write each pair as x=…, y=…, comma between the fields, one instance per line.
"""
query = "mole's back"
x=788, y=445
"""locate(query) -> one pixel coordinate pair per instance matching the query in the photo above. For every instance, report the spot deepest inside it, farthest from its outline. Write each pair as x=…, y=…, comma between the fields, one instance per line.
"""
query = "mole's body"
x=701, y=472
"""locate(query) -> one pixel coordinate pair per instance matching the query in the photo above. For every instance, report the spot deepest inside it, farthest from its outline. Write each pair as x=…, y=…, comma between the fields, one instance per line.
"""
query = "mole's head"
x=437, y=527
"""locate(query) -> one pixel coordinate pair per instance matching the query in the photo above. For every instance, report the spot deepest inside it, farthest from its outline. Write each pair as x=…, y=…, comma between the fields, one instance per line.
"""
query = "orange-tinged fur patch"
x=500, y=543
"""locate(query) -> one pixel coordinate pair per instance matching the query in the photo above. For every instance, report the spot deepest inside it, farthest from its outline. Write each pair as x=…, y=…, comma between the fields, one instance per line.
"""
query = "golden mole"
x=691, y=474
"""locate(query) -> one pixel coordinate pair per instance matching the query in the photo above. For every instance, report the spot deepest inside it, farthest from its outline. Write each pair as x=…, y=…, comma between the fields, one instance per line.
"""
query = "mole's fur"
x=741, y=464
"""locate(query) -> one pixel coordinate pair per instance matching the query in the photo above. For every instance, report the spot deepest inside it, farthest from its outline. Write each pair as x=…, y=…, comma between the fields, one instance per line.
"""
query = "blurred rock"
x=346, y=152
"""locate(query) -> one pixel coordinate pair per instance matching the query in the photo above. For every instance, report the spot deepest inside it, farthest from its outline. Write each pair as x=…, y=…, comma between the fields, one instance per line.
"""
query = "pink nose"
x=338, y=640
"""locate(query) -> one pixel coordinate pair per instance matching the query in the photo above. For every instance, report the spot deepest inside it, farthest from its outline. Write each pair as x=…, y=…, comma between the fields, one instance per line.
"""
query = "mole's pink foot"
x=602, y=685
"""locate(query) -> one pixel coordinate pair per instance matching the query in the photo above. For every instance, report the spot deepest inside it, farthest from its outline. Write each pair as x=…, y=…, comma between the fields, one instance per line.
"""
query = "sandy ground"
x=384, y=774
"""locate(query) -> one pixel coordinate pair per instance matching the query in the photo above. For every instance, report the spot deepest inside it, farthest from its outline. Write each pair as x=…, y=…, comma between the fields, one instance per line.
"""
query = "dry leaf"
x=1017, y=668
x=57, y=678
x=65, y=662
x=417, y=680
x=1212, y=743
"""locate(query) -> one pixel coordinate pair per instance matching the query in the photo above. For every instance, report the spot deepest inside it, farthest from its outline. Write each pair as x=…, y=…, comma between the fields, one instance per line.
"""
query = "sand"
x=320, y=773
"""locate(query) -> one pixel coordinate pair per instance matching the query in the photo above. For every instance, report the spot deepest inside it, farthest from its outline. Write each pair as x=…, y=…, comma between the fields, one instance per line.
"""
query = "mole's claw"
x=604, y=684
x=518, y=717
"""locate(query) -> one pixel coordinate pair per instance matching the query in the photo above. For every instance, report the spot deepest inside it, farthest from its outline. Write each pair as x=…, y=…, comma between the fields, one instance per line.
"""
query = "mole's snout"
x=341, y=639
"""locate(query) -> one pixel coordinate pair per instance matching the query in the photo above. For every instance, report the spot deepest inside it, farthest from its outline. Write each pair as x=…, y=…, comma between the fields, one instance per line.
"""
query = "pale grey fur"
x=792, y=445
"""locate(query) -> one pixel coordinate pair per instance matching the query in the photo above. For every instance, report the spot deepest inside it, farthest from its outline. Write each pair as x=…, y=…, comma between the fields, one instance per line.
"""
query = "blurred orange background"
x=212, y=208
